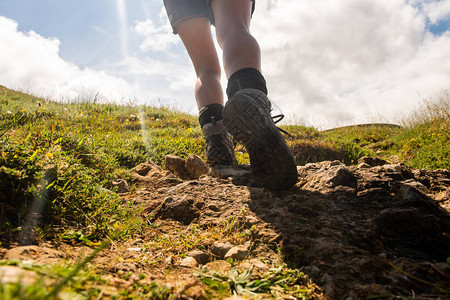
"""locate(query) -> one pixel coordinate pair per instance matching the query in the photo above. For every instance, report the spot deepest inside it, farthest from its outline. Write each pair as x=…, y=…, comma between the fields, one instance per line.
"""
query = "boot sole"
x=270, y=158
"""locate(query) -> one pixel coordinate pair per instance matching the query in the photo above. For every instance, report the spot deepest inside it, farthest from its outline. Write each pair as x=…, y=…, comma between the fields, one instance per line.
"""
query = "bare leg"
x=232, y=22
x=196, y=36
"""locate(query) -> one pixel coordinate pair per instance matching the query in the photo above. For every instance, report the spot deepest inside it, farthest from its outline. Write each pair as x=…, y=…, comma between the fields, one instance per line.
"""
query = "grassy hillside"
x=66, y=156
x=75, y=151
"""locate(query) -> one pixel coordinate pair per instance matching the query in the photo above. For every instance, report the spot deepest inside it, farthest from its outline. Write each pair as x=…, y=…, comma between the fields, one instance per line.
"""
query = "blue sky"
x=327, y=63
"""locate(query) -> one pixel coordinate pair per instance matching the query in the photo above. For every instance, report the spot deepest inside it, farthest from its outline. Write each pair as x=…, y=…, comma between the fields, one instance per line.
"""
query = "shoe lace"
x=276, y=119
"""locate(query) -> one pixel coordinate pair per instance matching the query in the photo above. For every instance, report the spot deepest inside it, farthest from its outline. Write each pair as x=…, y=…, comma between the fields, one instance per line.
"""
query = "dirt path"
x=355, y=232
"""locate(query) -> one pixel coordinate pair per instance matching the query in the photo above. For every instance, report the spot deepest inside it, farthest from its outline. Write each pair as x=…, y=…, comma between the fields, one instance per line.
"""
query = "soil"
x=375, y=230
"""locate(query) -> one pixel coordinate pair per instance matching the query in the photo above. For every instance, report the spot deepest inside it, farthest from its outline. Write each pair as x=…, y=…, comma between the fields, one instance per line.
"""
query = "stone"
x=330, y=178
x=196, y=166
x=335, y=163
x=372, y=161
x=121, y=185
x=340, y=175
x=200, y=256
x=363, y=166
x=220, y=249
x=238, y=253
x=176, y=165
x=259, y=265
x=251, y=220
x=178, y=207
x=416, y=185
x=393, y=168
x=144, y=168
x=189, y=262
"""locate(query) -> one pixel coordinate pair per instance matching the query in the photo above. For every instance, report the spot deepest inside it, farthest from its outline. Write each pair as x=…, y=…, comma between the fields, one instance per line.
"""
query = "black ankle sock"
x=247, y=78
x=209, y=112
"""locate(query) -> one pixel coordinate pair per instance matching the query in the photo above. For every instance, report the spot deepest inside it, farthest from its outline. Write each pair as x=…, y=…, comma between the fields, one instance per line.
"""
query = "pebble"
x=220, y=249
x=188, y=262
x=239, y=252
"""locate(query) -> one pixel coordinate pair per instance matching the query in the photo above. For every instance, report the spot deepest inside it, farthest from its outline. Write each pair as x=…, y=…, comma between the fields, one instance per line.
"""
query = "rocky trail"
x=374, y=230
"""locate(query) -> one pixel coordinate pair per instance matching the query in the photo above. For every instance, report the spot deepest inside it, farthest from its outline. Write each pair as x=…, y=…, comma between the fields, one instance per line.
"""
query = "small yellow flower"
x=49, y=155
x=412, y=140
x=4, y=153
x=23, y=110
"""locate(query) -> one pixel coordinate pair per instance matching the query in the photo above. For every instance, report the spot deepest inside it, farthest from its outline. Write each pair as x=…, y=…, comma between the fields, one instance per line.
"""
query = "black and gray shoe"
x=219, y=145
x=247, y=118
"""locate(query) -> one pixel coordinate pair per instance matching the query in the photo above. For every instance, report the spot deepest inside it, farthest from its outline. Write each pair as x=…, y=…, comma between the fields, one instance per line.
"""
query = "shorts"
x=182, y=10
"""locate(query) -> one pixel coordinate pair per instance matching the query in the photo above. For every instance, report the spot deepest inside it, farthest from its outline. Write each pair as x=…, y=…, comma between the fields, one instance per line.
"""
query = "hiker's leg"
x=247, y=111
x=196, y=36
x=241, y=52
x=232, y=22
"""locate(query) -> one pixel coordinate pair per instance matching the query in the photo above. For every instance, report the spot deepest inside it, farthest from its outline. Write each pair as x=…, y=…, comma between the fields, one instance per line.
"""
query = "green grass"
x=65, y=156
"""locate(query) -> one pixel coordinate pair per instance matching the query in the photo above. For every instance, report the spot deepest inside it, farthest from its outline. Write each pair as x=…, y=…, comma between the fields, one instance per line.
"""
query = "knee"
x=210, y=72
x=232, y=33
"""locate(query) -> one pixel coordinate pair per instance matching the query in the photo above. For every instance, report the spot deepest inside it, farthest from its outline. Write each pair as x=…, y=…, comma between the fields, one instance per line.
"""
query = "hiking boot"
x=247, y=118
x=219, y=145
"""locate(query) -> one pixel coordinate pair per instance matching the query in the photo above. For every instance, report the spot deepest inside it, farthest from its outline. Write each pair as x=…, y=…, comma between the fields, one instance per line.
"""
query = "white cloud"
x=328, y=62
x=32, y=63
x=437, y=11
x=333, y=62
x=156, y=38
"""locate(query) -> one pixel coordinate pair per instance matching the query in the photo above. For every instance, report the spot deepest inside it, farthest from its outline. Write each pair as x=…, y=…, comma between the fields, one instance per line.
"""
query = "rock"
x=196, y=166
x=176, y=165
x=330, y=178
x=13, y=274
x=442, y=196
x=408, y=193
x=220, y=249
x=251, y=220
x=416, y=185
x=238, y=176
x=135, y=249
x=339, y=175
x=372, y=161
x=392, y=168
x=259, y=264
x=335, y=163
x=144, y=168
x=188, y=262
x=200, y=256
x=178, y=207
x=122, y=186
x=363, y=166
x=39, y=255
x=169, y=260
x=238, y=253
